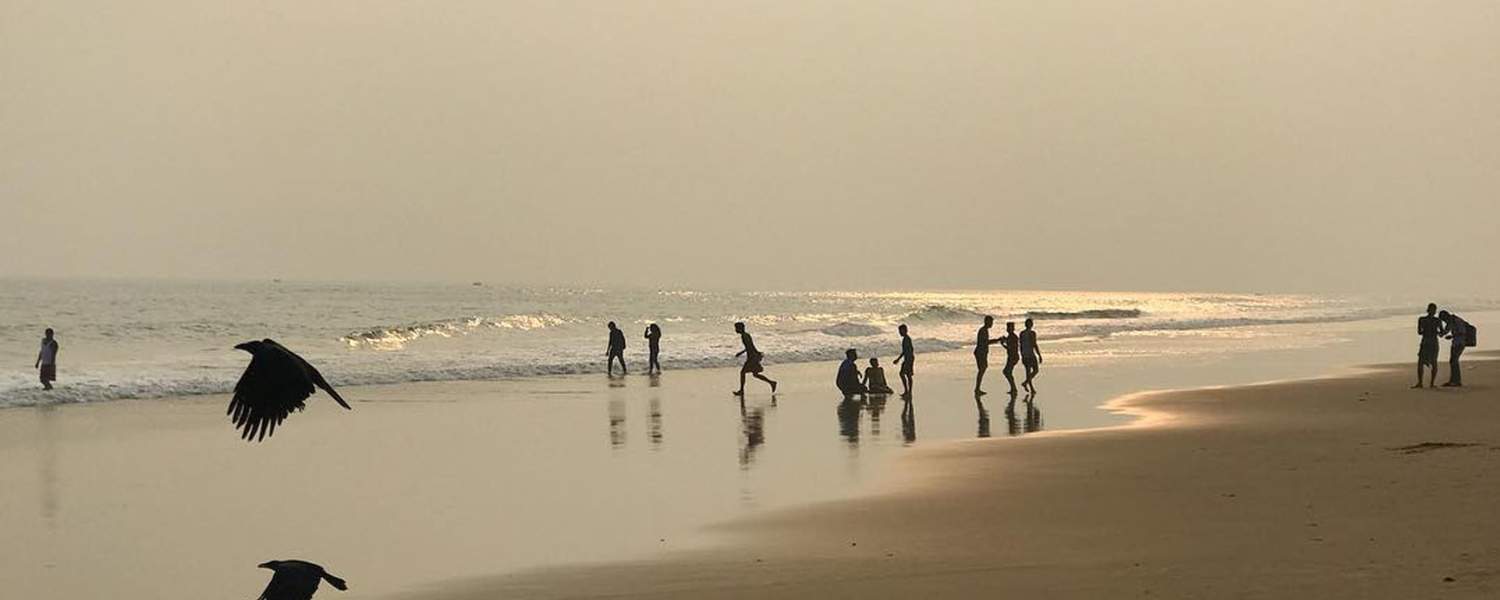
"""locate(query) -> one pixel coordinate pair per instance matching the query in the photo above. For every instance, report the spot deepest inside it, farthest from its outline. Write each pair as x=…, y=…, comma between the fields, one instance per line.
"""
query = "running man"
x=1429, y=327
x=908, y=356
x=46, y=359
x=752, y=364
x=1012, y=345
x=1031, y=356
x=982, y=343
x=616, y=349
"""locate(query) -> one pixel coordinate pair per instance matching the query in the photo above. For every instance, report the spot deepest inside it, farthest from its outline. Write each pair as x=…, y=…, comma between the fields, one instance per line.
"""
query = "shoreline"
x=1240, y=497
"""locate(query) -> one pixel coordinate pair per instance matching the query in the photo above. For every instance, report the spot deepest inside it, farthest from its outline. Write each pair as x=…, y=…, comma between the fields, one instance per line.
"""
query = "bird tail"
x=336, y=397
x=335, y=581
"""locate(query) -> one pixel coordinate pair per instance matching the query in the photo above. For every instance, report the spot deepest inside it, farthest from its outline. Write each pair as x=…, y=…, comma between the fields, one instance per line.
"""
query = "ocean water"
x=153, y=339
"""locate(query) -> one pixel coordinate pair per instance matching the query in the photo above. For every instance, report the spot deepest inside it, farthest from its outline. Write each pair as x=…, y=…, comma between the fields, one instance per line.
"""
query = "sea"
x=144, y=339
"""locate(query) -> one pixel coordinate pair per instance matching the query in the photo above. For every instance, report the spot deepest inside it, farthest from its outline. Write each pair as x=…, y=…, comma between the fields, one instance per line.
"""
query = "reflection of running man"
x=982, y=343
x=908, y=356
x=752, y=360
x=1031, y=356
x=1427, y=354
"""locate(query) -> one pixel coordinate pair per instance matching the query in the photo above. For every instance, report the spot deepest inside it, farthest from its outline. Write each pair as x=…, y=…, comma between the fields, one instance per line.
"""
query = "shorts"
x=983, y=360
x=49, y=372
x=1010, y=362
x=752, y=363
x=1428, y=353
x=906, y=367
x=1029, y=361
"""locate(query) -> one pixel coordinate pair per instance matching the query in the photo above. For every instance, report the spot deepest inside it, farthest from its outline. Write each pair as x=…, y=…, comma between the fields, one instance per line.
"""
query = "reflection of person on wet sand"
x=982, y=343
x=848, y=412
x=908, y=421
x=984, y=418
x=753, y=358
x=616, y=349
x=875, y=378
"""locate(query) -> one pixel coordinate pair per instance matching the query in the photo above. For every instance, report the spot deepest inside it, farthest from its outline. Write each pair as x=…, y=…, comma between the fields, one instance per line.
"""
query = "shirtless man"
x=1012, y=345
x=1031, y=356
x=616, y=350
x=1429, y=327
x=46, y=359
x=982, y=343
x=752, y=364
x=908, y=356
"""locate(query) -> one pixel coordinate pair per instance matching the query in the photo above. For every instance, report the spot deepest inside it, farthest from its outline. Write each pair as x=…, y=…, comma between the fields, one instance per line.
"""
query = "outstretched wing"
x=289, y=584
x=274, y=385
x=312, y=374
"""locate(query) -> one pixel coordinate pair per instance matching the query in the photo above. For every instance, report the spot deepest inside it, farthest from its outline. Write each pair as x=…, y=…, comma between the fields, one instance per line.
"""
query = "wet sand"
x=435, y=490
x=1349, y=487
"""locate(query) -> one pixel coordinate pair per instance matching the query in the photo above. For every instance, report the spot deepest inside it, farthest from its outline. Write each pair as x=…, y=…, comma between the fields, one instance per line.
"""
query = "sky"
x=1276, y=146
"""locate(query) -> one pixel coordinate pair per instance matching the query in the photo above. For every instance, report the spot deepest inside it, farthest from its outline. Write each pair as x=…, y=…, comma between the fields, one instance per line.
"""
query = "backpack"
x=1472, y=339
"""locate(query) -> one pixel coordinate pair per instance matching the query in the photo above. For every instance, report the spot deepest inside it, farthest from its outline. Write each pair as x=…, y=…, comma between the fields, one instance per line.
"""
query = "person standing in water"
x=616, y=349
x=982, y=343
x=907, y=357
x=753, y=358
x=1031, y=356
x=1456, y=329
x=1012, y=345
x=653, y=345
x=1429, y=327
x=46, y=359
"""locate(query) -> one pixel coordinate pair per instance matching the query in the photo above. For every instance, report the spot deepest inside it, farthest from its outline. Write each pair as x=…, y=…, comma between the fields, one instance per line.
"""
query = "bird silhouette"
x=296, y=580
x=276, y=383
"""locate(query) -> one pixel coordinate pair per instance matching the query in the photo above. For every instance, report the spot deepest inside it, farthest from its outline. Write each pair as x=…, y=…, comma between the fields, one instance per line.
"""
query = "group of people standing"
x=1442, y=324
x=1020, y=348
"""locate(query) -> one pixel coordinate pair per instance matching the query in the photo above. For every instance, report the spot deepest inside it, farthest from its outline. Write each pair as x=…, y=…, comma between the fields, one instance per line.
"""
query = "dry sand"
x=1350, y=487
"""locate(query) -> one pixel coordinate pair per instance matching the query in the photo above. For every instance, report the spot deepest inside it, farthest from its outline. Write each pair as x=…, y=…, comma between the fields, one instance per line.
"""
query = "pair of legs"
x=906, y=374
x=757, y=375
x=982, y=362
x=1031, y=370
x=1426, y=358
x=652, y=365
x=1455, y=373
x=617, y=356
x=49, y=374
x=1009, y=371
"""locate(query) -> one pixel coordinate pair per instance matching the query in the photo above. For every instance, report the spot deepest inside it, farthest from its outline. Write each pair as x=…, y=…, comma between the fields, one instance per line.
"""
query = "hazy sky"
x=1260, y=146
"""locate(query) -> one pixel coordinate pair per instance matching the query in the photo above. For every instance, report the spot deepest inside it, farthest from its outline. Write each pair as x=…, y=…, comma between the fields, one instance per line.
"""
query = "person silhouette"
x=1012, y=345
x=753, y=359
x=905, y=360
x=616, y=349
x=653, y=346
x=1456, y=329
x=875, y=378
x=1429, y=328
x=46, y=359
x=1031, y=356
x=848, y=376
x=982, y=345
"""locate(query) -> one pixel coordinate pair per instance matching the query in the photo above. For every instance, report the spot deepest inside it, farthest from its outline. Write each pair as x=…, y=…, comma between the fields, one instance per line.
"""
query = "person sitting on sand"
x=753, y=358
x=1429, y=327
x=875, y=378
x=46, y=359
x=848, y=379
x=1456, y=329
x=616, y=349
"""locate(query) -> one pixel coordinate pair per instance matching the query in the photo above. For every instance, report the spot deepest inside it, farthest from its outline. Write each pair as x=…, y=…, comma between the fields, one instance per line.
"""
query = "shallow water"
x=425, y=482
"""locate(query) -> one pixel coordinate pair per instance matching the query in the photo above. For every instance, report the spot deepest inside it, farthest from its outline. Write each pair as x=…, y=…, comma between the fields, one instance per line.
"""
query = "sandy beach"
x=1348, y=487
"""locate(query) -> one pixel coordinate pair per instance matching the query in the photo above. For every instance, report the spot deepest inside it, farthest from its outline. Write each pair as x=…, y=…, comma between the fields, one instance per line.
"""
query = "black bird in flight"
x=296, y=580
x=276, y=383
